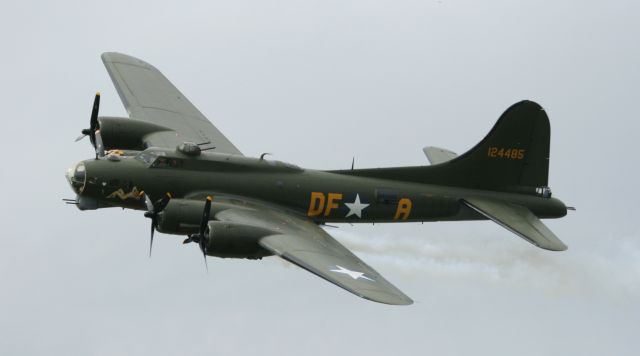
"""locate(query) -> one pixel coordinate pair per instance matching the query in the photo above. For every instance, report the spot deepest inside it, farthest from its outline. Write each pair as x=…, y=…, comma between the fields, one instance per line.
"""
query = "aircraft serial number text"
x=509, y=153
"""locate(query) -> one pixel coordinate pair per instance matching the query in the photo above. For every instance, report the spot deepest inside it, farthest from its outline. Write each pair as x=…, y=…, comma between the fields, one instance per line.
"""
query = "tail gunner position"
x=168, y=160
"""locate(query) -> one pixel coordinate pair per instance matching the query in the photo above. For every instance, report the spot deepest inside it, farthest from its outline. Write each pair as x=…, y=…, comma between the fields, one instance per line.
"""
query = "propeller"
x=153, y=209
x=201, y=237
x=94, y=128
x=99, y=144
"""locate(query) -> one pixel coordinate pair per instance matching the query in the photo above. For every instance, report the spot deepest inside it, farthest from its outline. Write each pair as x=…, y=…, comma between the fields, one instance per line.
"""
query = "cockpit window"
x=146, y=157
x=149, y=157
x=167, y=162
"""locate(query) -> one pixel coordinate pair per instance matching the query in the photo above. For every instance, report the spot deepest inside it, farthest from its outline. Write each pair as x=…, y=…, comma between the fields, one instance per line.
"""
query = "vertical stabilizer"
x=514, y=156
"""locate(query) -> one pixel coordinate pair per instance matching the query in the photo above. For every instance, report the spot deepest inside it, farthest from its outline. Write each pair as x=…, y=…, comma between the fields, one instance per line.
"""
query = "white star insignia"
x=356, y=207
x=352, y=274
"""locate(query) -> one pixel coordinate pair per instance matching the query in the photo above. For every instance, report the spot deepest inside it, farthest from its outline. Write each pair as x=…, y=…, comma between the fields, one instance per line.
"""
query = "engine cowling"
x=224, y=239
x=126, y=133
x=181, y=217
x=232, y=240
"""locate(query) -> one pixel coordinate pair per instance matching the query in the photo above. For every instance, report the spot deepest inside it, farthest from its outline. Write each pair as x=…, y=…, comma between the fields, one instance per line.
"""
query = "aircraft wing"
x=303, y=243
x=149, y=96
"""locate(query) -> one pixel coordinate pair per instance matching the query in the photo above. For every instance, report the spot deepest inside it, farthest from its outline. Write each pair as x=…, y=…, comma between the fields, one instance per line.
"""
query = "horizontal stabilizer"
x=438, y=155
x=518, y=220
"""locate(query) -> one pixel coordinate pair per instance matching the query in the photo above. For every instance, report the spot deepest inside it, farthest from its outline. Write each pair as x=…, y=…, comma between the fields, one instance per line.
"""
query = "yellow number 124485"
x=508, y=153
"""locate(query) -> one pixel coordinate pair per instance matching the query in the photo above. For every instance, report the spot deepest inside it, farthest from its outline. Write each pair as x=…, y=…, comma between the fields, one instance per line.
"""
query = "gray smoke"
x=610, y=267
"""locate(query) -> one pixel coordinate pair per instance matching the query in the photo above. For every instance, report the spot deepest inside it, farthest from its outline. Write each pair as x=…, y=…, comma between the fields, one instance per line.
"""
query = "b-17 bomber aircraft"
x=168, y=160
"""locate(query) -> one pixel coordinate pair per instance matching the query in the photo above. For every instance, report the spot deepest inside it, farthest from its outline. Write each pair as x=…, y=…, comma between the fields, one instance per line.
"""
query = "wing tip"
x=117, y=57
x=389, y=298
x=396, y=301
x=556, y=246
x=406, y=301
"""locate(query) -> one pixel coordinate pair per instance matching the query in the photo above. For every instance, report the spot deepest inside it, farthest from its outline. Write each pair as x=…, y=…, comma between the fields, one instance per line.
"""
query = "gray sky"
x=317, y=82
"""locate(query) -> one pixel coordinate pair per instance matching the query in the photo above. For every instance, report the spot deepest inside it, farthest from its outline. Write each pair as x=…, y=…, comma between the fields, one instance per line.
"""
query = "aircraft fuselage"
x=326, y=197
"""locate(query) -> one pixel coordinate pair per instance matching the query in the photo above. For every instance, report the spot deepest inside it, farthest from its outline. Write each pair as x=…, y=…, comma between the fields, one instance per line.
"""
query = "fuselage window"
x=544, y=192
x=386, y=196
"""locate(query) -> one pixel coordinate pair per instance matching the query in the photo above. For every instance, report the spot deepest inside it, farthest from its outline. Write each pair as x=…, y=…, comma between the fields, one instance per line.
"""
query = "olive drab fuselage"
x=325, y=197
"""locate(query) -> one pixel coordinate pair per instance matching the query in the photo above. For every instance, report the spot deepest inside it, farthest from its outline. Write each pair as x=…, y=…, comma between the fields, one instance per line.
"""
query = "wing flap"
x=518, y=220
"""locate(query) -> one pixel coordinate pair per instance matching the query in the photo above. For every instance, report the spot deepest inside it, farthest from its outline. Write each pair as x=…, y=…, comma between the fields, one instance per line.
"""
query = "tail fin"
x=515, y=153
x=514, y=156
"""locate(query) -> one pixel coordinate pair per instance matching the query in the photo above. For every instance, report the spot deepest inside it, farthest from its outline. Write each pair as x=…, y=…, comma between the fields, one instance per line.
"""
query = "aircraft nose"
x=77, y=177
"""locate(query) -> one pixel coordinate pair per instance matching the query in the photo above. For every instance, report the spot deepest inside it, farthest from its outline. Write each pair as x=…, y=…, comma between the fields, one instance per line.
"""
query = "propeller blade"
x=201, y=236
x=94, y=124
x=80, y=137
x=147, y=202
x=203, y=226
x=153, y=227
x=152, y=212
x=203, y=248
x=205, y=215
x=99, y=145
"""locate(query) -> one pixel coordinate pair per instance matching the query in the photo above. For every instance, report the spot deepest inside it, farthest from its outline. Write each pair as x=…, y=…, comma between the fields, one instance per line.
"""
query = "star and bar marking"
x=323, y=204
x=353, y=274
x=356, y=207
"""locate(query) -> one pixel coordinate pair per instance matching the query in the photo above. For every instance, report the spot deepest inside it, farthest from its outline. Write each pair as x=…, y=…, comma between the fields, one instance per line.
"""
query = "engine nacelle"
x=224, y=239
x=181, y=217
x=125, y=133
x=233, y=240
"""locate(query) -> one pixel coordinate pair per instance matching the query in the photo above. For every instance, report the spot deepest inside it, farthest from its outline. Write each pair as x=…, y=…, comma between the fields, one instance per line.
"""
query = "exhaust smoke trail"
x=595, y=266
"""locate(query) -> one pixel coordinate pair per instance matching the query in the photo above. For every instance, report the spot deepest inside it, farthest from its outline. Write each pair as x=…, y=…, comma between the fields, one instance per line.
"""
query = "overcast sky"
x=316, y=83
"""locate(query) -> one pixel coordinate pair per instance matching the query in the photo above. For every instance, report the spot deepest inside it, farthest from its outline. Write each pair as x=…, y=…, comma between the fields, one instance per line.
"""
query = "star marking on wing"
x=356, y=207
x=352, y=274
